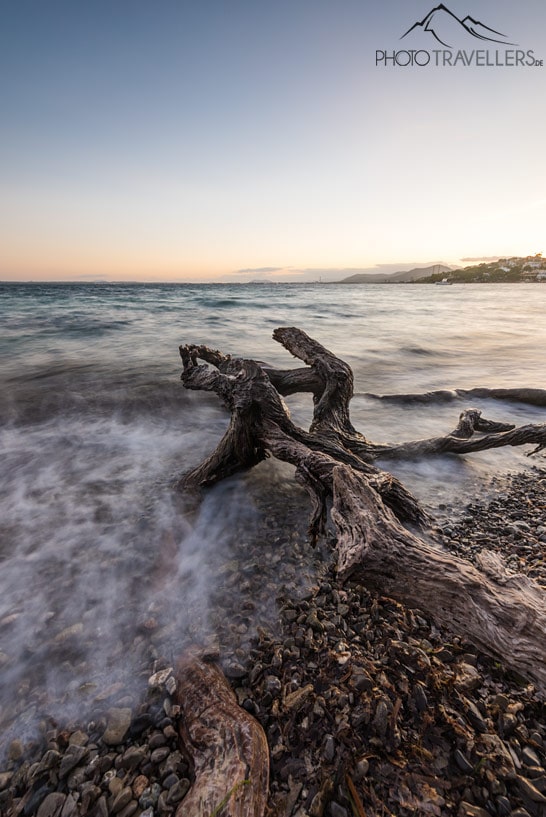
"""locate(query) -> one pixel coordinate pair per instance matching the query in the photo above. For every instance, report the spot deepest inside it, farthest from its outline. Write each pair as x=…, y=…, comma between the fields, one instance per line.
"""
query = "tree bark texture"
x=226, y=745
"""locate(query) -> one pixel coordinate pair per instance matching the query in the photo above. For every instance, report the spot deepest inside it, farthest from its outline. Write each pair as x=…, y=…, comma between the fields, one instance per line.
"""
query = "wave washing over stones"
x=367, y=707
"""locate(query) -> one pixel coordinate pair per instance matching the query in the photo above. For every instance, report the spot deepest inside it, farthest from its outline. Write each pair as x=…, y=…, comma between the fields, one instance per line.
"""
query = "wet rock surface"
x=368, y=708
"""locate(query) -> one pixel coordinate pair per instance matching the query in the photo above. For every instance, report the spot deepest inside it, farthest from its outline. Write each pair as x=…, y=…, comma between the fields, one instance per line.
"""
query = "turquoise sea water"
x=96, y=426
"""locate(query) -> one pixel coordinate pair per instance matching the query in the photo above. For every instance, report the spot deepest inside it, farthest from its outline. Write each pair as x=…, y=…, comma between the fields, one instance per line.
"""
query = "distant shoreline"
x=252, y=283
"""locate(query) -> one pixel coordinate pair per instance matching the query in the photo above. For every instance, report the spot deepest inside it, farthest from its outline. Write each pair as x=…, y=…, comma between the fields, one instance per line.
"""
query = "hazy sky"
x=168, y=139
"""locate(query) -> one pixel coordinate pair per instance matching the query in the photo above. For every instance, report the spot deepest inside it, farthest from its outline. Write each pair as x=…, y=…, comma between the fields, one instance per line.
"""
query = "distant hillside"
x=397, y=277
x=506, y=270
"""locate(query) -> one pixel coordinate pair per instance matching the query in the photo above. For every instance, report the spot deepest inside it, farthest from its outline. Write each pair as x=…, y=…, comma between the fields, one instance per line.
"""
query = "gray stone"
x=73, y=756
x=158, y=680
x=380, y=720
x=170, y=685
x=329, y=748
x=89, y=793
x=509, y=723
x=50, y=760
x=133, y=757
x=70, y=807
x=149, y=797
x=177, y=792
x=115, y=784
x=273, y=684
x=156, y=740
x=462, y=762
x=162, y=804
x=362, y=768
x=529, y=790
x=122, y=799
x=539, y=781
x=101, y=807
x=530, y=757
x=335, y=810
x=52, y=806
x=76, y=778
x=235, y=670
x=475, y=716
x=170, y=780
x=502, y=701
x=118, y=723
x=503, y=805
x=470, y=810
x=74, y=631
x=129, y=809
x=174, y=763
x=361, y=680
x=160, y=754
x=170, y=732
x=78, y=738
x=16, y=750
x=468, y=678
x=420, y=698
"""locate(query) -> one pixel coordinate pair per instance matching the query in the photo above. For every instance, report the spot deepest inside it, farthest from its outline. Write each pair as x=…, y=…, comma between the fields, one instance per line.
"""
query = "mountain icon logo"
x=447, y=28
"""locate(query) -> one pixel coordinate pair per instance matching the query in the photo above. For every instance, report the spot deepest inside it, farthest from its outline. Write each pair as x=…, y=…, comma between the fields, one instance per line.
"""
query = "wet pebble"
x=73, y=756
x=159, y=755
x=118, y=723
x=133, y=757
x=52, y=805
x=177, y=792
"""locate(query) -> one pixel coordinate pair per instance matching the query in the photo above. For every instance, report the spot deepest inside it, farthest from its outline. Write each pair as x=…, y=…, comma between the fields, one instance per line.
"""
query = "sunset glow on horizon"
x=180, y=141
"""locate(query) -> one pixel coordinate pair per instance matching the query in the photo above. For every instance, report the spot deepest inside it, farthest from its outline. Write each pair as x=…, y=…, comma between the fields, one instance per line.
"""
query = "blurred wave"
x=96, y=427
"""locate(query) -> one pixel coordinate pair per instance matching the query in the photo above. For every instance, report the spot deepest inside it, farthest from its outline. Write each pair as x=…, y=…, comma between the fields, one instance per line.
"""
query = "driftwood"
x=227, y=746
x=504, y=615
x=532, y=397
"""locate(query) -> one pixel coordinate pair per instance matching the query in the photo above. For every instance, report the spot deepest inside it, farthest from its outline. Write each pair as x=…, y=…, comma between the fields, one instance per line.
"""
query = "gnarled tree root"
x=504, y=615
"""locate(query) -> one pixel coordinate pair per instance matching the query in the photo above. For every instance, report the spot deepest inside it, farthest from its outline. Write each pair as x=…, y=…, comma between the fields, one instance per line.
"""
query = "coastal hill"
x=398, y=277
x=504, y=270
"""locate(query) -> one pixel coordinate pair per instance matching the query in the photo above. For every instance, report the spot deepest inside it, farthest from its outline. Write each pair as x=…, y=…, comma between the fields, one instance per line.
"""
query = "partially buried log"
x=227, y=747
x=504, y=615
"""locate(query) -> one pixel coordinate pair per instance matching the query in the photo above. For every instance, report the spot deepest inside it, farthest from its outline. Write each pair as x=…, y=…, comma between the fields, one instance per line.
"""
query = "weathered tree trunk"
x=505, y=616
x=227, y=746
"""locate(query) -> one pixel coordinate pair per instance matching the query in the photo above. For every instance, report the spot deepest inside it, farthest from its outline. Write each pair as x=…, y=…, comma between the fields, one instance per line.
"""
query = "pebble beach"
x=368, y=708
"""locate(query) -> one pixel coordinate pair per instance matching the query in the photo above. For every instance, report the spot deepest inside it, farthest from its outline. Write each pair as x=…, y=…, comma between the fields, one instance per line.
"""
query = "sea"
x=96, y=428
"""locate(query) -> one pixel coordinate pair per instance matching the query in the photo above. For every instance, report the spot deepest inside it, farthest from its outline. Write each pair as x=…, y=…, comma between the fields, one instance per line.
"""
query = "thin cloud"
x=257, y=270
x=482, y=258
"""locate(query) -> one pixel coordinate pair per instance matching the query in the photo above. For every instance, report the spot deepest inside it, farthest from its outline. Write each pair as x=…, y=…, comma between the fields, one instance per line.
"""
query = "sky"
x=173, y=140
